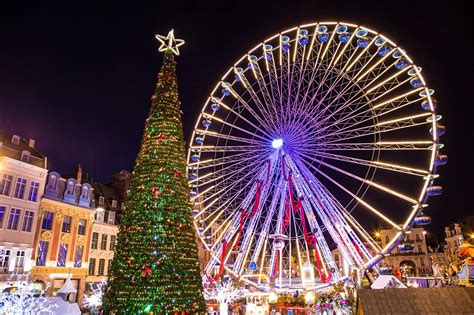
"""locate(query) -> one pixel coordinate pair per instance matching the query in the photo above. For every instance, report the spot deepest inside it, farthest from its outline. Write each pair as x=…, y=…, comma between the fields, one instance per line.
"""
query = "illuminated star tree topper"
x=169, y=42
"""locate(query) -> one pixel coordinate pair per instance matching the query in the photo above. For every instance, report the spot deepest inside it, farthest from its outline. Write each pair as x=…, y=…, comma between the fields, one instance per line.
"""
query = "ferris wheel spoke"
x=251, y=182
x=221, y=160
x=303, y=189
x=362, y=202
x=254, y=217
x=376, y=164
x=381, y=84
x=366, y=181
x=262, y=105
x=396, y=98
x=366, y=64
x=234, y=126
x=234, y=138
x=380, y=145
x=276, y=89
x=316, y=65
x=354, y=244
x=268, y=97
x=353, y=97
x=363, y=51
x=377, y=129
x=224, y=206
x=224, y=105
x=361, y=94
x=230, y=233
x=331, y=198
x=228, y=173
x=379, y=63
x=344, y=50
x=362, y=232
x=343, y=124
x=268, y=219
x=333, y=210
x=226, y=148
x=386, y=92
x=311, y=46
x=263, y=117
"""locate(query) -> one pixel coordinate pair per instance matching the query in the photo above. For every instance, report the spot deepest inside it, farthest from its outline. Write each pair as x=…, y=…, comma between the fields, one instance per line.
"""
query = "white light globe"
x=277, y=143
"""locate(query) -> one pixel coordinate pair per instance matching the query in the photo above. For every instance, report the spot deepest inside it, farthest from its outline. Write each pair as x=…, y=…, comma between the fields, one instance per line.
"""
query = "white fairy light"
x=94, y=300
x=21, y=297
x=224, y=293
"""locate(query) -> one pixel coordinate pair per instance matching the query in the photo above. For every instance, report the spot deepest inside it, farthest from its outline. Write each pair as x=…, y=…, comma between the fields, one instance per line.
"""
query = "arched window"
x=85, y=192
x=53, y=181
x=70, y=187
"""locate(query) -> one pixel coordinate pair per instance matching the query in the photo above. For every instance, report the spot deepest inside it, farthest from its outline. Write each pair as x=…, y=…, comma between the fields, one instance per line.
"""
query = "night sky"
x=78, y=78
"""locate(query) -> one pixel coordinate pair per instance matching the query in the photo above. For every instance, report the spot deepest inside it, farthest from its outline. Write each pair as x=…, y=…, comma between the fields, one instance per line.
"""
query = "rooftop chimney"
x=31, y=143
x=79, y=174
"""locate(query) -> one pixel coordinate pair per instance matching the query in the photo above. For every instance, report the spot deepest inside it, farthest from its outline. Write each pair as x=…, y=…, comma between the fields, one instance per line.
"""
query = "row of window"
x=78, y=254
x=13, y=221
x=417, y=238
x=70, y=187
x=5, y=256
x=105, y=217
x=20, y=188
x=420, y=251
x=103, y=241
x=101, y=270
x=62, y=254
x=48, y=219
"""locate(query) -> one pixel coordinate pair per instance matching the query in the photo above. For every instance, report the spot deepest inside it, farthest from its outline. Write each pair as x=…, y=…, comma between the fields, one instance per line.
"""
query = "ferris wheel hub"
x=277, y=143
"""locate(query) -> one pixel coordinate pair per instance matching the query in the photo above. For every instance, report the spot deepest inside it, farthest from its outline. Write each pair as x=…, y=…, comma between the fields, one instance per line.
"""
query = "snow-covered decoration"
x=22, y=297
x=67, y=288
x=223, y=292
x=93, y=301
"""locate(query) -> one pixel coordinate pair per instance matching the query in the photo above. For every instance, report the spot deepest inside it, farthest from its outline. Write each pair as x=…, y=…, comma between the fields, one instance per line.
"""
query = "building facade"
x=23, y=172
x=454, y=237
x=417, y=260
x=109, y=200
x=63, y=233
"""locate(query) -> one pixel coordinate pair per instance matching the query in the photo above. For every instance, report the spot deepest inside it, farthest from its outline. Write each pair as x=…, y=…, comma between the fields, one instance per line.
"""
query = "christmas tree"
x=156, y=267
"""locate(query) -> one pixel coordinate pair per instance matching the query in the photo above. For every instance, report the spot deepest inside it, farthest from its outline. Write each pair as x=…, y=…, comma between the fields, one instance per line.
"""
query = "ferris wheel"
x=310, y=140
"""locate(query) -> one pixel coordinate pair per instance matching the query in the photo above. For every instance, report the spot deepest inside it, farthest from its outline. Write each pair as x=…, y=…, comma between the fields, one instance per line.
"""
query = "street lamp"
x=377, y=235
x=309, y=297
x=272, y=298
